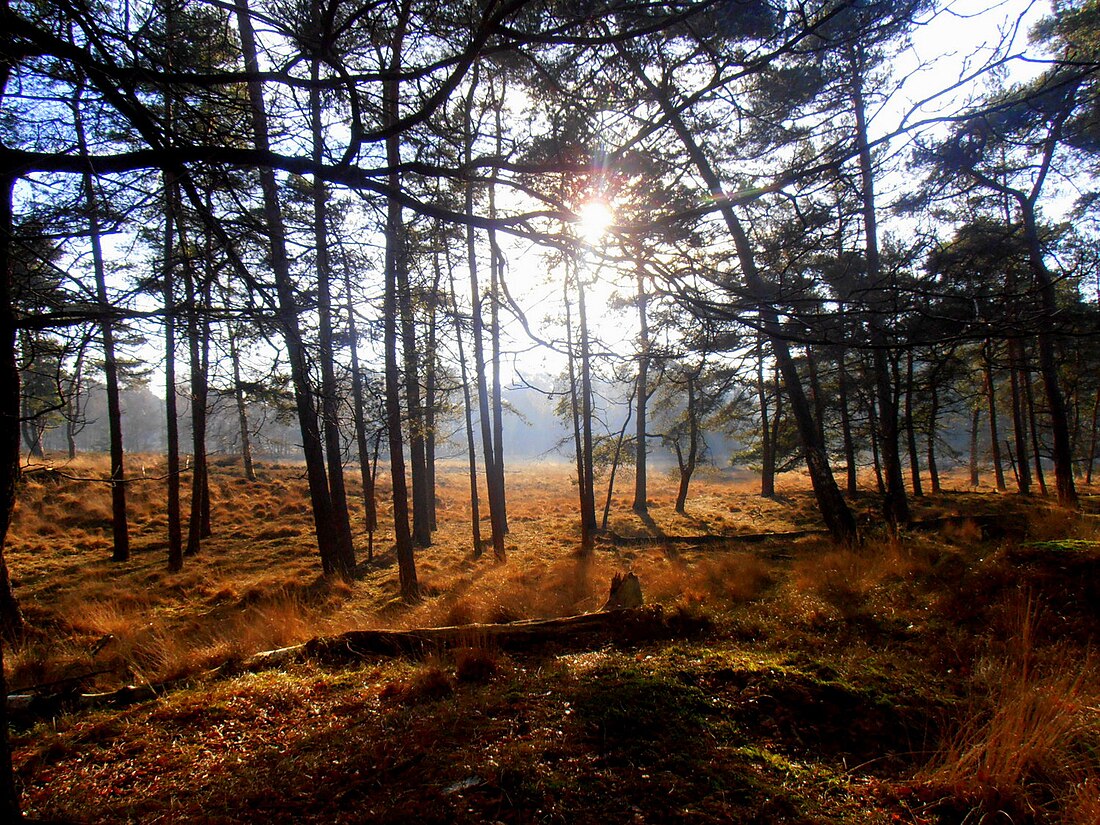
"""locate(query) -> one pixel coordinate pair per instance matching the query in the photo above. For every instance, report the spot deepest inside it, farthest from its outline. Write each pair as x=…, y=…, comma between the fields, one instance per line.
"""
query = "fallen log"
x=585, y=631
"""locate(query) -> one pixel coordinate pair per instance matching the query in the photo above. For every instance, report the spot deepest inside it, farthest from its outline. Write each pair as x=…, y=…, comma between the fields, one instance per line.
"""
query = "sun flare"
x=594, y=219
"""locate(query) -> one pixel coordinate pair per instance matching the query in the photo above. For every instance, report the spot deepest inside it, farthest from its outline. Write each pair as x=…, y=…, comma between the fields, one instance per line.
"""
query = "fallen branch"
x=586, y=631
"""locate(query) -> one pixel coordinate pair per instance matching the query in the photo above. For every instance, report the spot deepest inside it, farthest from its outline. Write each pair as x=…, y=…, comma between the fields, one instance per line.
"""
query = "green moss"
x=633, y=711
x=1065, y=545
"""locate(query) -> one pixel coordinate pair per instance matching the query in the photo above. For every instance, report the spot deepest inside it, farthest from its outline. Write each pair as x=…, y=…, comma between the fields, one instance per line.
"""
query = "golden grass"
x=256, y=584
x=1032, y=736
x=1026, y=739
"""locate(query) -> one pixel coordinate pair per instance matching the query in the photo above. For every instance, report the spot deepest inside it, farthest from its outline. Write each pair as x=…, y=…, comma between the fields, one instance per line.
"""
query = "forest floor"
x=941, y=677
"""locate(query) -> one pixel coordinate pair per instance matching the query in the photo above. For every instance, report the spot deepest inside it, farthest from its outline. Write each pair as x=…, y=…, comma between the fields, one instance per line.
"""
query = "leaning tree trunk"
x=288, y=310
x=330, y=392
x=615, y=464
x=1048, y=367
x=588, y=503
x=834, y=509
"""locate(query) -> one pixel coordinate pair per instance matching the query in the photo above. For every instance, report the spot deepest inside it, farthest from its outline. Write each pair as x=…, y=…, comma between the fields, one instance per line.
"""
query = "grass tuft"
x=1032, y=739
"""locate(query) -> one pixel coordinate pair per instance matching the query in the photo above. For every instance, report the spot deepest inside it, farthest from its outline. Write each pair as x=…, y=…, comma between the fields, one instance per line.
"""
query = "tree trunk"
x=31, y=426
x=876, y=460
x=418, y=461
x=588, y=630
x=496, y=268
x=587, y=539
x=910, y=427
x=975, y=420
x=641, y=396
x=834, y=510
x=1093, y=435
x=288, y=311
x=933, y=416
x=852, y=469
x=588, y=503
x=119, y=526
x=767, y=447
x=406, y=562
x=1048, y=367
x=206, y=529
x=771, y=461
x=370, y=507
x=73, y=408
x=895, y=503
x=477, y=332
x=344, y=551
x=687, y=466
x=430, y=401
x=615, y=464
x=175, y=525
x=991, y=403
x=431, y=390
x=1019, y=430
x=196, y=325
x=815, y=391
x=242, y=409
x=468, y=417
x=11, y=617
x=1036, y=450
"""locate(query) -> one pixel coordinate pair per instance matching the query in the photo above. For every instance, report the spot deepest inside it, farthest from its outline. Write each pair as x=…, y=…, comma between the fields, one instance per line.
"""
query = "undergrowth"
x=937, y=677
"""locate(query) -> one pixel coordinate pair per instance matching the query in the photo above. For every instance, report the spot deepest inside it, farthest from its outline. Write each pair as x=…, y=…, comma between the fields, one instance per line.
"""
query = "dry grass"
x=813, y=642
x=1032, y=737
x=256, y=584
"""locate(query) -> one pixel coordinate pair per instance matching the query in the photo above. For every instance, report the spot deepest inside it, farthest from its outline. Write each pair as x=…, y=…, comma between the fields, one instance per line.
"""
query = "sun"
x=594, y=218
